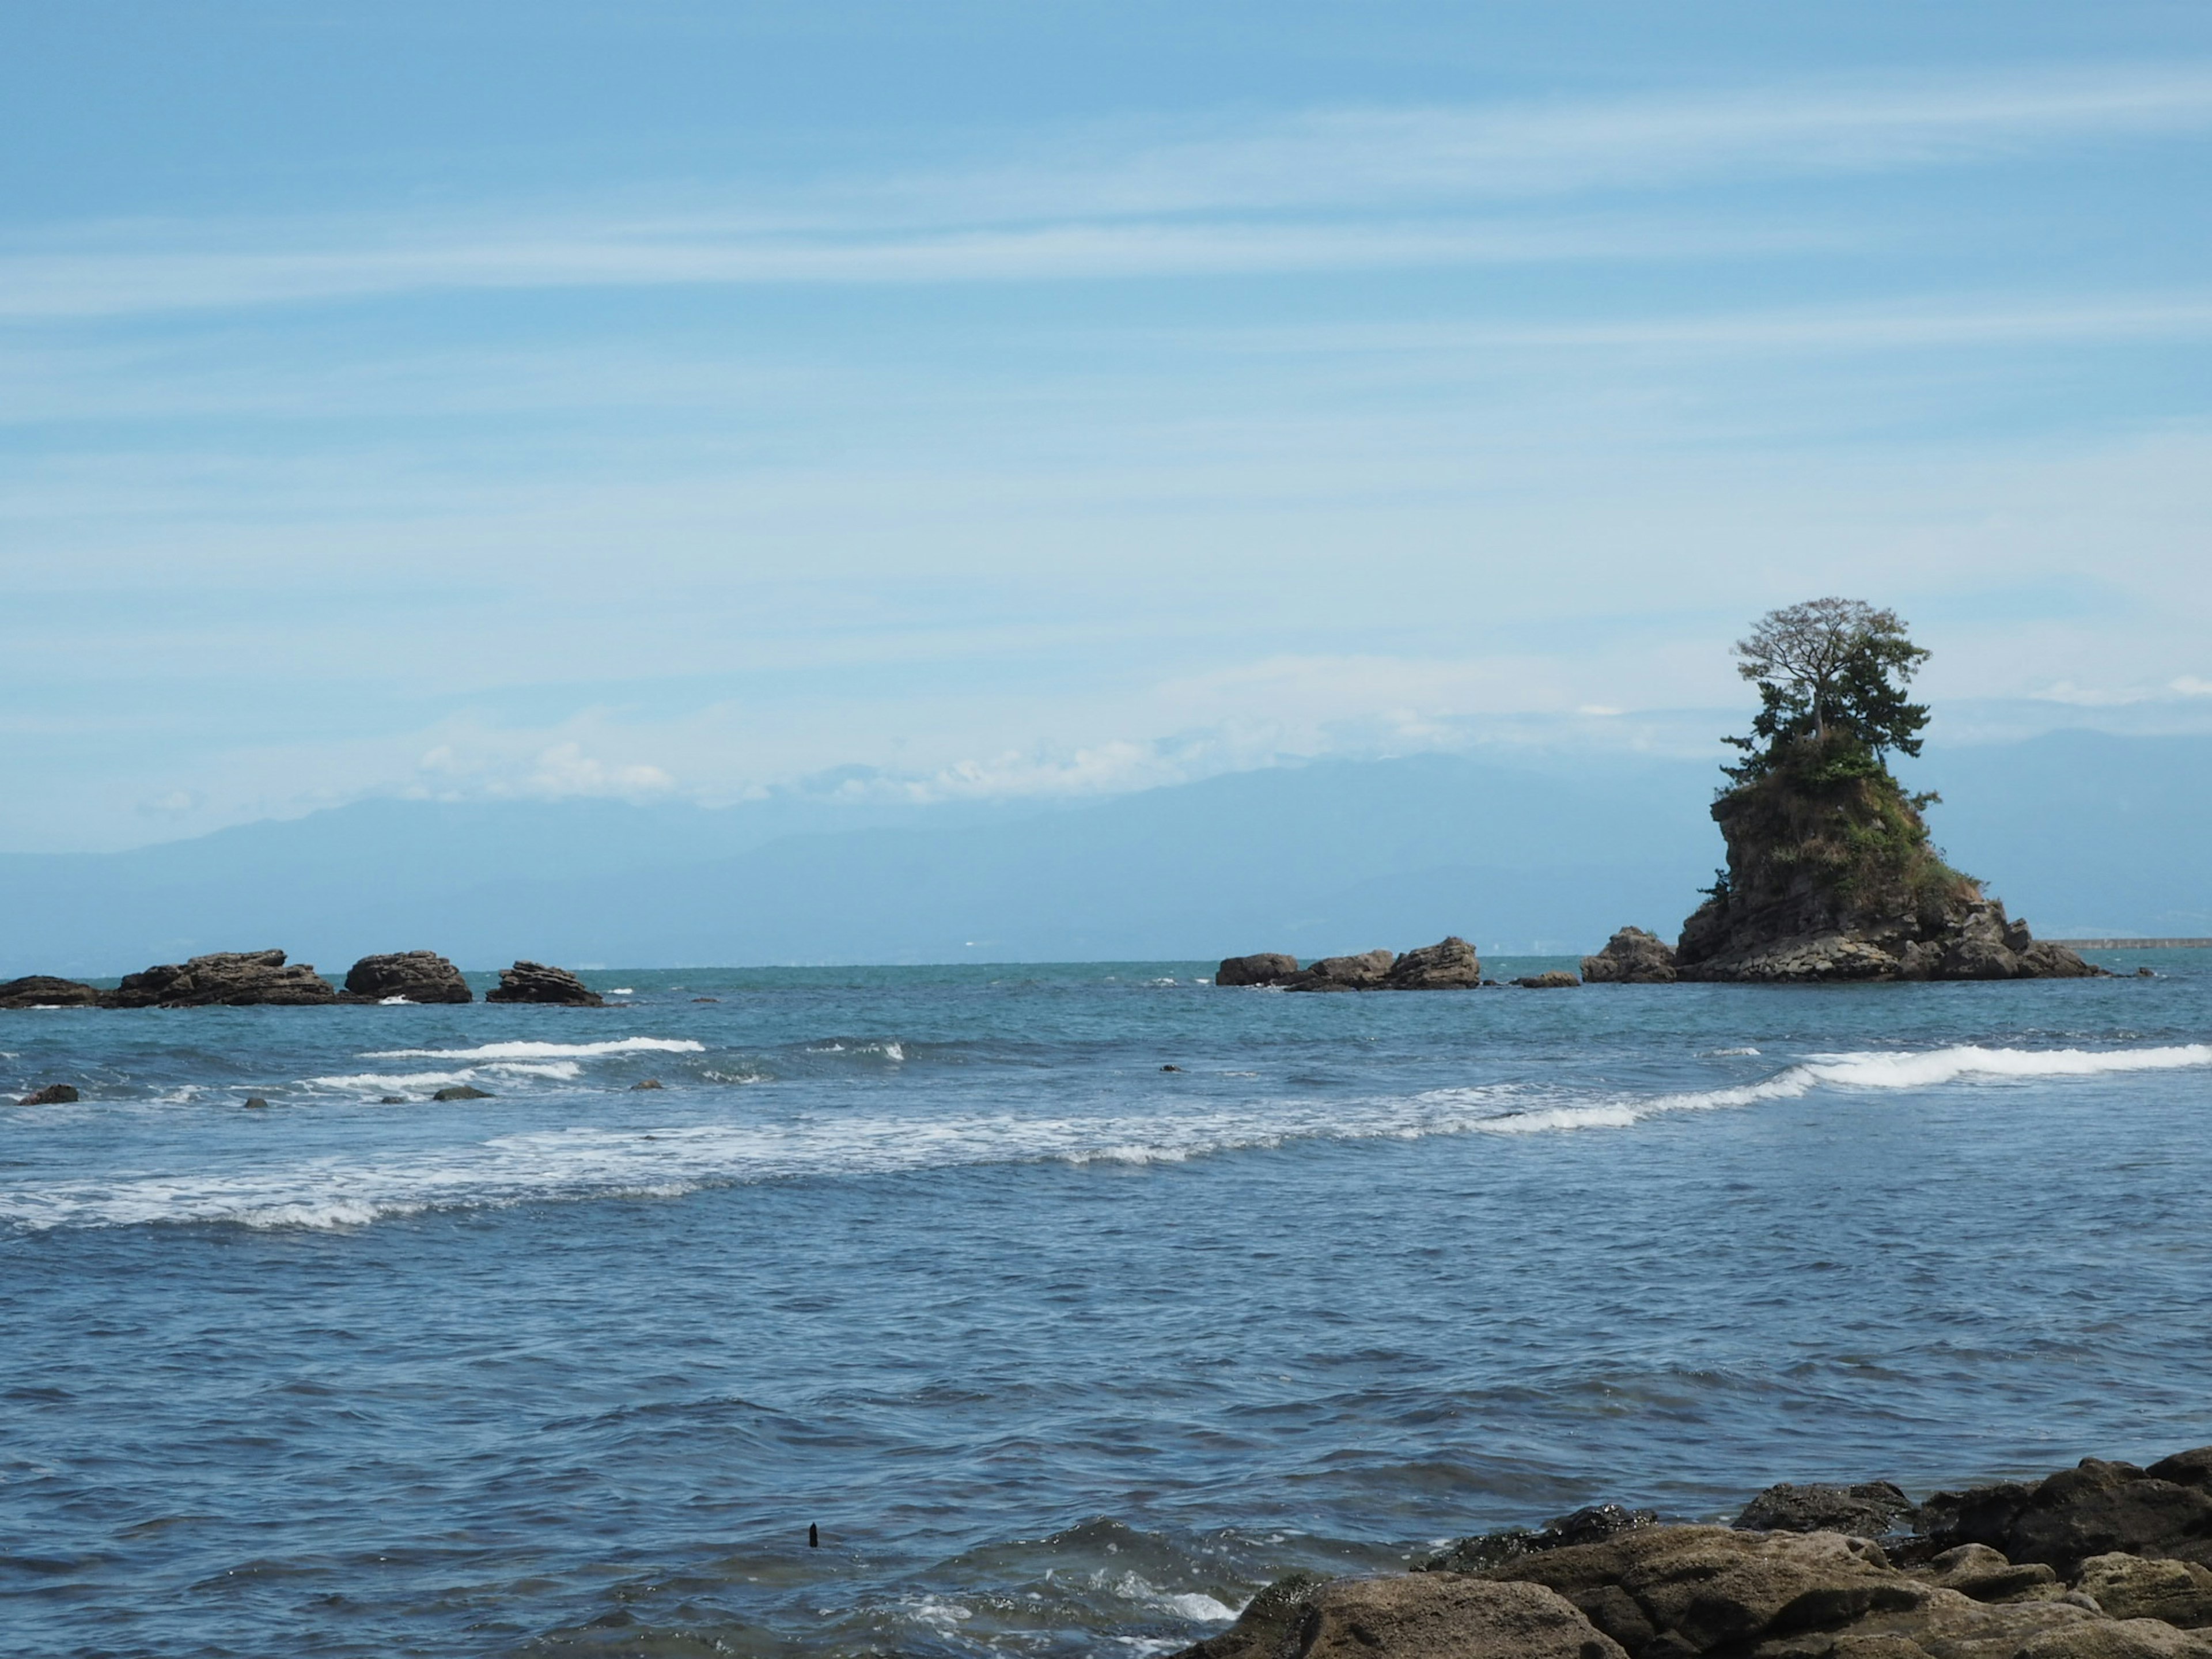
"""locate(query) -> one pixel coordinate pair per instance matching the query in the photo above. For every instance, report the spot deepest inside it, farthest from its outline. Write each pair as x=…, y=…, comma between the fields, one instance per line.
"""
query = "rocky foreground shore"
x=2101, y=1561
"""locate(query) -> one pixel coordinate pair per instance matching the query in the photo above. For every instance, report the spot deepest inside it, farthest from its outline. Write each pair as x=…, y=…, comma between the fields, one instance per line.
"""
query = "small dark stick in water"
x=813, y=1536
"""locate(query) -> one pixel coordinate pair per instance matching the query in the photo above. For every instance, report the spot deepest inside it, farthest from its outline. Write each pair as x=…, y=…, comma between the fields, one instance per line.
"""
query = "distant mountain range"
x=2083, y=833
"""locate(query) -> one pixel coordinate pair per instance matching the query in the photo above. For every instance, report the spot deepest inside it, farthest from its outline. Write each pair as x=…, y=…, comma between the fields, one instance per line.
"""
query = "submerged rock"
x=1492, y=1549
x=461, y=1092
x=1868, y=1509
x=418, y=976
x=1552, y=979
x=229, y=978
x=1268, y=968
x=1630, y=957
x=54, y=1094
x=533, y=981
x=44, y=991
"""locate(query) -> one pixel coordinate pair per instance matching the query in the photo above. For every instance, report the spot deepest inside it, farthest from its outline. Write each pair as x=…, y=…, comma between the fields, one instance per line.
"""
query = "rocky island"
x=252, y=979
x=2102, y=1561
x=1830, y=874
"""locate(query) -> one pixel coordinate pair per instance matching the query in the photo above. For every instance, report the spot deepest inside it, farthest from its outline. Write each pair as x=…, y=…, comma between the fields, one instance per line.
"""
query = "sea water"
x=1063, y=1351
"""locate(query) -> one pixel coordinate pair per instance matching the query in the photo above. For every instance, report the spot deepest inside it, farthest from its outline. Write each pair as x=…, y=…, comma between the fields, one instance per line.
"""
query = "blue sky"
x=679, y=400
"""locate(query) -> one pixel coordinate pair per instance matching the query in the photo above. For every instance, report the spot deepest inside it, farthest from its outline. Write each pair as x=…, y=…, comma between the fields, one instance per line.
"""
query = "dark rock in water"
x=650, y=1083
x=461, y=1092
x=1585, y=1526
x=1631, y=956
x=1266, y=969
x=1440, y=1617
x=1171, y=1068
x=54, y=1094
x=391, y=1100
x=44, y=991
x=1553, y=978
x=254, y=1102
x=1364, y=972
x=706, y=999
x=2094, y=1509
x=1831, y=876
x=1868, y=1509
x=418, y=976
x=229, y=978
x=533, y=981
x=1449, y=964
x=1269, y=1622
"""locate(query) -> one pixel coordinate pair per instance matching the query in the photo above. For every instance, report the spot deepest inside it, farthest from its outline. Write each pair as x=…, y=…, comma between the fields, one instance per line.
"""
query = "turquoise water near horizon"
x=1064, y=1352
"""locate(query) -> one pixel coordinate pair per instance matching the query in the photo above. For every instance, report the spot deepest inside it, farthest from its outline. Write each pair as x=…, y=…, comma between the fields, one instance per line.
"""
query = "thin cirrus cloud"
x=1325, y=189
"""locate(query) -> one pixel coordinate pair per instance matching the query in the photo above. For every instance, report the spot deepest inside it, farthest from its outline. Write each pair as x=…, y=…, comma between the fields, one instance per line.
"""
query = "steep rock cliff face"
x=1831, y=876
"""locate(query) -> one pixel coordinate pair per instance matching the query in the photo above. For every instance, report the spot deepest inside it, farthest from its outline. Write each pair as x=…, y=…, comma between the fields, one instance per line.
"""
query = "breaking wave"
x=547, y=1050
x=579, y=1163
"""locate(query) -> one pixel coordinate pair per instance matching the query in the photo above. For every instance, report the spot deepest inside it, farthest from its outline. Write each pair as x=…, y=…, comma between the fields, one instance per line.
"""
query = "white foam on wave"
x=575, y=1162
x=547, y=1050
x=1927, y=1069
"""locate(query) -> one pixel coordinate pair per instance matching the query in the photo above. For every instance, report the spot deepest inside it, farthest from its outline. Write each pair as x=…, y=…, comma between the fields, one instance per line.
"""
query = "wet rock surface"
x=54, y=1094
x=44, y=991
x=226, y=978
x=417, y=975
x=1552, y=979
x=533, y=981
x=1797, y=1577
x=1630, y=957
x=1868, y=1510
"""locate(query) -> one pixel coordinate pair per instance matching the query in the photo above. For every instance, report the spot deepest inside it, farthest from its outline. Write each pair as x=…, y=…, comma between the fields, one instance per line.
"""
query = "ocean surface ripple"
x=1064, y=1351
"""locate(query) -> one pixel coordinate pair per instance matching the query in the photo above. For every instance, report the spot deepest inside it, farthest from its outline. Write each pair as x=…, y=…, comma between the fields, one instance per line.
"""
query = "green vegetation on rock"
x=1831, y=873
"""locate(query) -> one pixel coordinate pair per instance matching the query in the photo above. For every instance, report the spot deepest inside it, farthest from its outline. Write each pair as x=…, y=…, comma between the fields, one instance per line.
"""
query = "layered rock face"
x=417, y=975
x=1831, y=876
x=2106, y=1562
x=533, y=981
x=1631, y=956
x=232, y=978
x=44, y=991
x=1451, y=964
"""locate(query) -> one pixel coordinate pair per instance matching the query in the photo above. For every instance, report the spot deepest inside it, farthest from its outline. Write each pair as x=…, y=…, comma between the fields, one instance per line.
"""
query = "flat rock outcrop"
x=1364, y=972
x=417, y=975
x=54, y=1094
x=229, y=978
x=1782, y=1585
x=1630, y=957
x=44, y=991
x=1552, y=979
x=1449, y=964
x=533, y=981
x=1266, y=968
x=1831, y=876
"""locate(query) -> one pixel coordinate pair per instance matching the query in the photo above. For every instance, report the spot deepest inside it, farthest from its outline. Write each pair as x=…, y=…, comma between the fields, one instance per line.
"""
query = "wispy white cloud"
x=1327, y=190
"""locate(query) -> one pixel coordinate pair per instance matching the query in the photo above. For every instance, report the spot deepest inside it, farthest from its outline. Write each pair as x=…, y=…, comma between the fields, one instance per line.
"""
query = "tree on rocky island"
x=1825, y=668
x=1831, y=873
